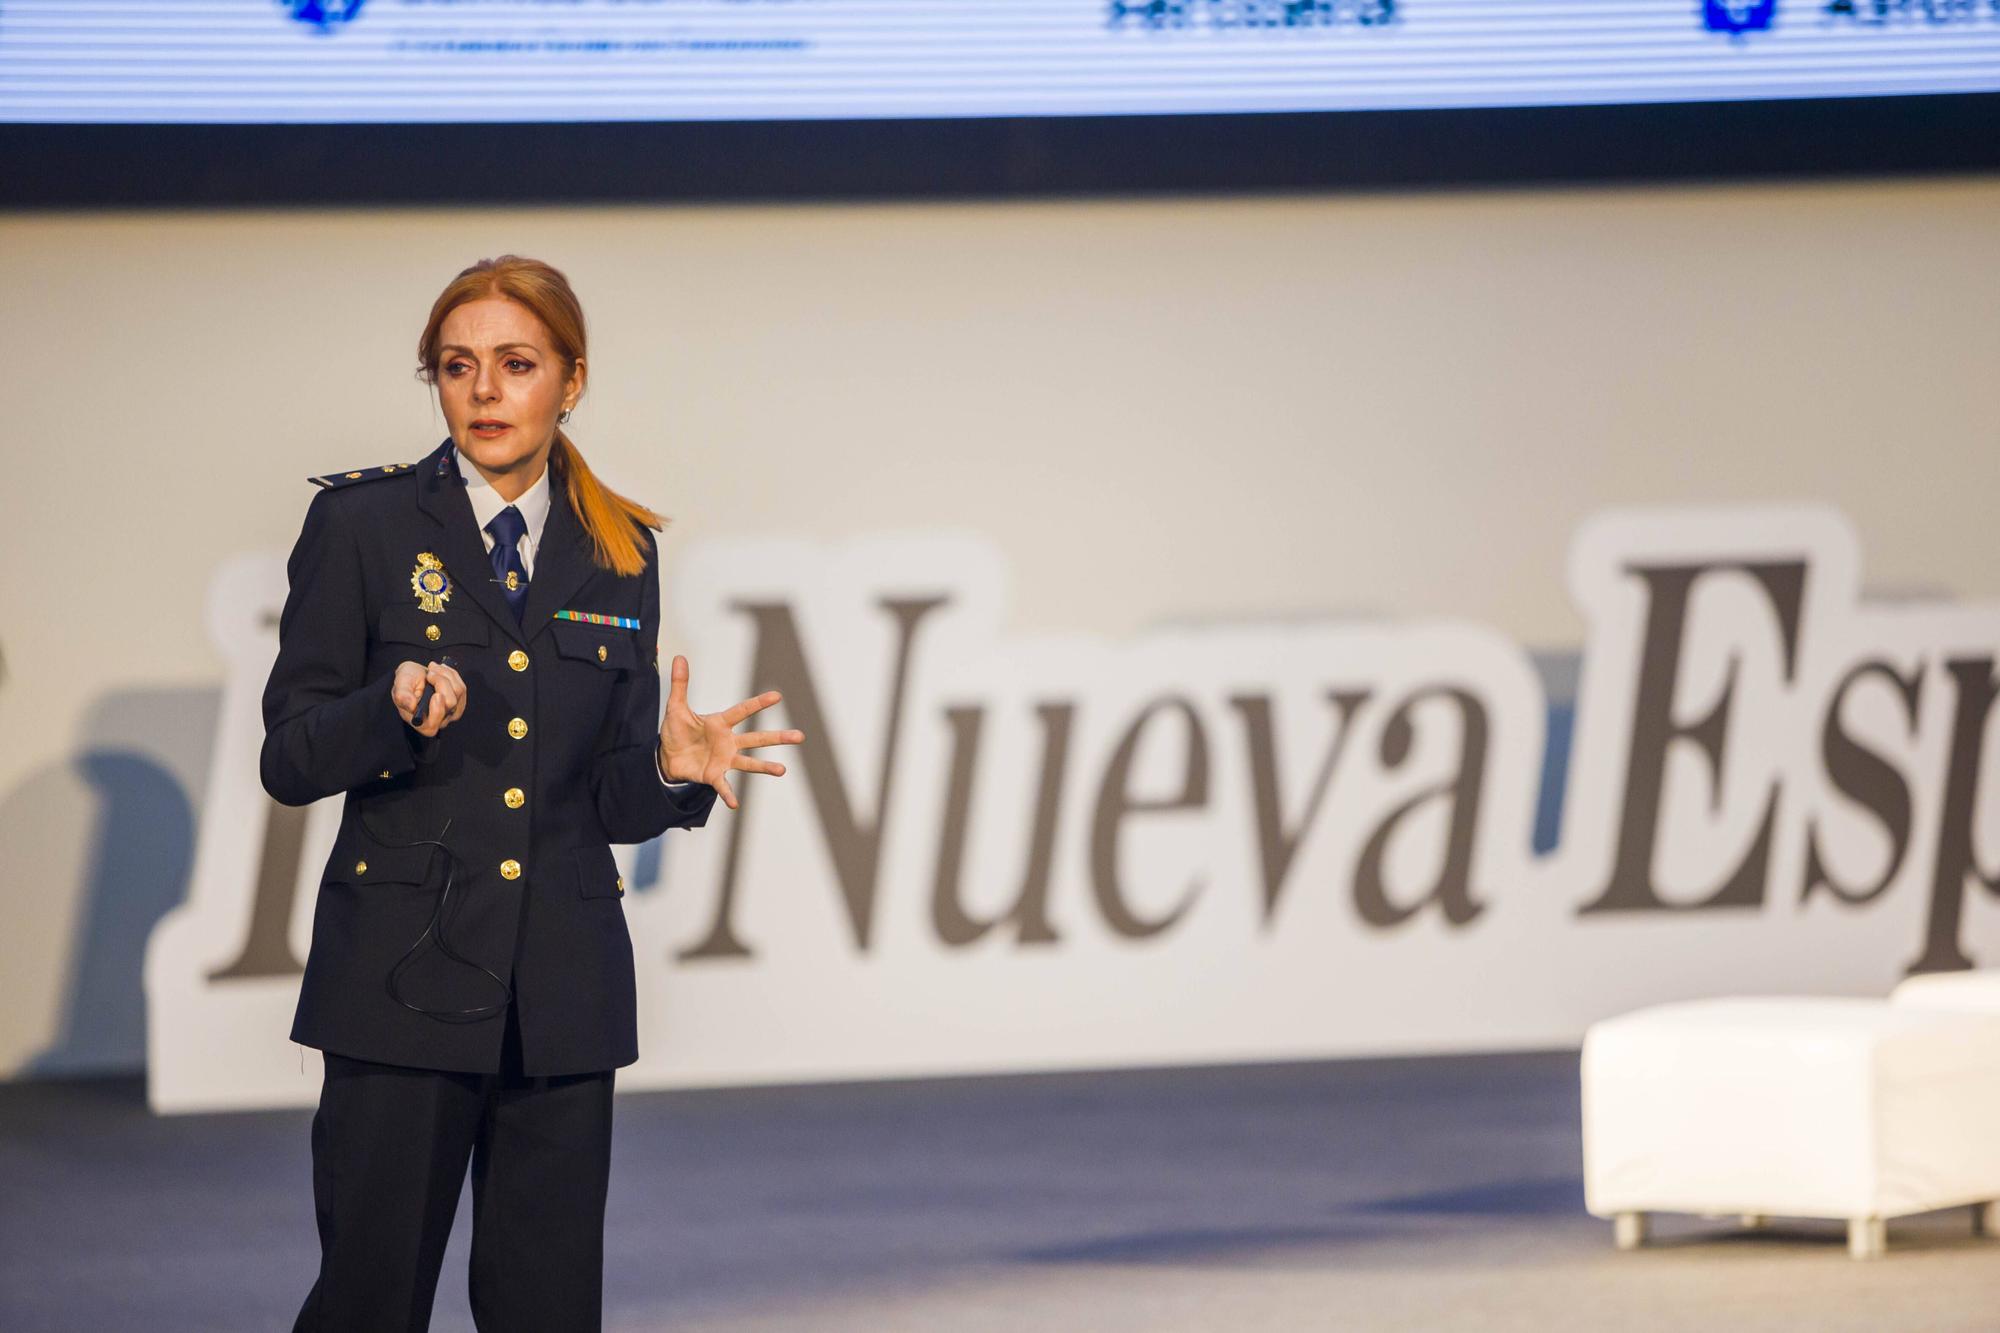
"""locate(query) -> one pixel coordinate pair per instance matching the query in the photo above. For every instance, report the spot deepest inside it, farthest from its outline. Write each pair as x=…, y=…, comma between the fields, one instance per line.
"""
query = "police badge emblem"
x=429, y=583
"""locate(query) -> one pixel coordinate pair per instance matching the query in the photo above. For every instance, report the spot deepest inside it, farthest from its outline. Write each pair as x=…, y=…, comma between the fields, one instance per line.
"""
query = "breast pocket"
x=414, y=625
x=604, y=647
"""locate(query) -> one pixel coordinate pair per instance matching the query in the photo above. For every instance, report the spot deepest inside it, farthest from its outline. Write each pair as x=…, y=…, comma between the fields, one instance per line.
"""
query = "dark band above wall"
x=203, y=165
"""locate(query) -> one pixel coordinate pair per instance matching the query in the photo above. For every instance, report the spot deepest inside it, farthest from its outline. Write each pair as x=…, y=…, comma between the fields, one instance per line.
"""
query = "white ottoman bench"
x=1977, y=992
x=1859, y=1110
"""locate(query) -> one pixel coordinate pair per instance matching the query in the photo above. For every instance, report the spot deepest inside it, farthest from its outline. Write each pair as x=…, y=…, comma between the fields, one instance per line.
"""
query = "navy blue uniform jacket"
x=551, y=763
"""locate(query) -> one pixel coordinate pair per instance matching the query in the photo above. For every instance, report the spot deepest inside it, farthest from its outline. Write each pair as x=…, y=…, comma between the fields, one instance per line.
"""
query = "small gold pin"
x=600, y=652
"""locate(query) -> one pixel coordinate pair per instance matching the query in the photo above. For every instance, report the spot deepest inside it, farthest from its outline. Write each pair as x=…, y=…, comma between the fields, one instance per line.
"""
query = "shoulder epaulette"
x=333, y=481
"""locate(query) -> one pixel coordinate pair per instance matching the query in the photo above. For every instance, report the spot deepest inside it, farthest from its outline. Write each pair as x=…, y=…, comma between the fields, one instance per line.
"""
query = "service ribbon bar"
x=592, y=618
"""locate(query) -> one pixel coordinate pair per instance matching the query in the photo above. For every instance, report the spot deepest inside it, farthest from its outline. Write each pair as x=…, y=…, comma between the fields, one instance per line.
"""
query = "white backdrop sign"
x=1214, y=843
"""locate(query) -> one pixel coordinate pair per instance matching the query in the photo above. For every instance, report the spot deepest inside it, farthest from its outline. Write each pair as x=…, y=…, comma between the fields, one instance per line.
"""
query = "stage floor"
x=1380, y=1194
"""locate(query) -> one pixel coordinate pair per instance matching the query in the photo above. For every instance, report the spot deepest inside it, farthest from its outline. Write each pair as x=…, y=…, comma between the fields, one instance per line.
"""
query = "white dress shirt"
x=534, y=507
x=487, y=504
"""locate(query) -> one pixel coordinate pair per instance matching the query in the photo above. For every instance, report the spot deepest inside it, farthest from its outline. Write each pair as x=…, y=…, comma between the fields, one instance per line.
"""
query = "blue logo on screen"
x=324, y=15
x=1738, y=16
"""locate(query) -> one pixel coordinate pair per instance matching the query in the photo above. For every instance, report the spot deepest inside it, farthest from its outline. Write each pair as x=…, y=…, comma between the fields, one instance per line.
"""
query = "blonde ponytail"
x=611, y=520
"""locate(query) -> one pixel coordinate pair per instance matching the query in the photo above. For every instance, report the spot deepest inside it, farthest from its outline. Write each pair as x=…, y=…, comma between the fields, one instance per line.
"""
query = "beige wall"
x=1160, y=409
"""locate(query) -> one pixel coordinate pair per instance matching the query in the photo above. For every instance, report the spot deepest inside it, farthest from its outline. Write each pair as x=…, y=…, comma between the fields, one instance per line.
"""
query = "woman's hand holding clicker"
x=697, y=747
x=447, y=704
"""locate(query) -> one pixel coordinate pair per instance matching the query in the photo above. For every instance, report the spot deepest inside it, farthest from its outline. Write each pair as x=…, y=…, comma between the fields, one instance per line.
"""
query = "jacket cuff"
x=383, y=739
x=643, y=803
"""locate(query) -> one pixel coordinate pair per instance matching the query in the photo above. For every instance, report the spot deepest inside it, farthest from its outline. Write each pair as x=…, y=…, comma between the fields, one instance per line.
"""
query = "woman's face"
x=501, y=384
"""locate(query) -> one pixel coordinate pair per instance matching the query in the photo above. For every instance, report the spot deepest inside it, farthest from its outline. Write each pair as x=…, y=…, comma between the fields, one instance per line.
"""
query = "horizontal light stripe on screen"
x=555, y=60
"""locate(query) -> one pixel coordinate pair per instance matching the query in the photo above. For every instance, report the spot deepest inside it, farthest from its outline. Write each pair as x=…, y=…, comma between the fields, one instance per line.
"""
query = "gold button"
x=360, y=867
x=518, y=660
x=518, y=728
x=600, y=652
x=514, y=798
x=621, y=884
x=431, y=633
x=510, y=869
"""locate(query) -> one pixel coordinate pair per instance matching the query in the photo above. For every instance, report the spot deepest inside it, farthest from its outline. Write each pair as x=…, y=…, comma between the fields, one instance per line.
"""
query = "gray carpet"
x=1382, y=1194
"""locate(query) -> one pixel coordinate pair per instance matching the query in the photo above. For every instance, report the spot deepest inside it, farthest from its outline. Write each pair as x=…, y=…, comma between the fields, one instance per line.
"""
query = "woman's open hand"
x=447, y=703
x=696, y=747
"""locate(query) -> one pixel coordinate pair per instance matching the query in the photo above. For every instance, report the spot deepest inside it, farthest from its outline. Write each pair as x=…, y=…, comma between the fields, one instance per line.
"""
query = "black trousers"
x=390, y=1147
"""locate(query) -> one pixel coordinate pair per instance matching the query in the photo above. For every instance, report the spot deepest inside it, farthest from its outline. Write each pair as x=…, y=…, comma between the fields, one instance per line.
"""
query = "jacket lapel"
x=562, y=563
x=441, y=494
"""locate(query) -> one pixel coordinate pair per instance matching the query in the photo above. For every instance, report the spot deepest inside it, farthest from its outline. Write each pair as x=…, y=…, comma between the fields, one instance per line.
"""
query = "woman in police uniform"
x=468, y=651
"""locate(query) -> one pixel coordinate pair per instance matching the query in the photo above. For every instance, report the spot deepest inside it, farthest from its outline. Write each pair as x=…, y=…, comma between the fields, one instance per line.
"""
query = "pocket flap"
x=413, y=624
x=612, y=649
x=597, y=873
x=359, y=859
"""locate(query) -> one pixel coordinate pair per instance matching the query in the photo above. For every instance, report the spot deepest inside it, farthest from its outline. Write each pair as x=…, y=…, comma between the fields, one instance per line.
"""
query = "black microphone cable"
x=441, y=915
